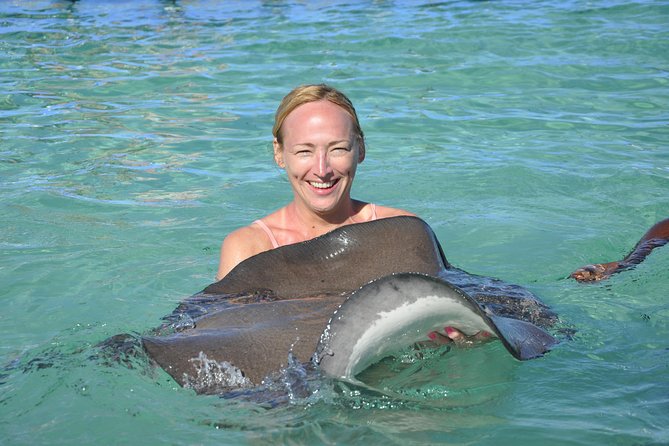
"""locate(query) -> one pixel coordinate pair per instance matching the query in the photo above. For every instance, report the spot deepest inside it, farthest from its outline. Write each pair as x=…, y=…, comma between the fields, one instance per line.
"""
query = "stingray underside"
x=399, y=310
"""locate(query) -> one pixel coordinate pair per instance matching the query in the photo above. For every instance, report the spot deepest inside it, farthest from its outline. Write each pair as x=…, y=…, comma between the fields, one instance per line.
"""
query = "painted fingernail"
x=432, y=335
x=485, y=334
x=449, y=330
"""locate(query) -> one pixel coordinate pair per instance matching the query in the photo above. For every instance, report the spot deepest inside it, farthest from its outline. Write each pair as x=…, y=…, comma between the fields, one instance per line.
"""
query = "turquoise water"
x=532, y=137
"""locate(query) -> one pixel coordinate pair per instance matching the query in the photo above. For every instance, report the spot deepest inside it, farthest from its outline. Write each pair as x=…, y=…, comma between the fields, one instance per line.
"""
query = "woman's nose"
x=323, y=168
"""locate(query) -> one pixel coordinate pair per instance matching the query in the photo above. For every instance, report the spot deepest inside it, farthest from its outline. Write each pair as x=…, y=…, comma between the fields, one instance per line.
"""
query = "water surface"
x=532, y=137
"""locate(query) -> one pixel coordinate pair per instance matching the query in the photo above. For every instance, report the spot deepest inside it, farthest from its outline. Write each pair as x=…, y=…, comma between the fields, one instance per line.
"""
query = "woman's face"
x=320, y=154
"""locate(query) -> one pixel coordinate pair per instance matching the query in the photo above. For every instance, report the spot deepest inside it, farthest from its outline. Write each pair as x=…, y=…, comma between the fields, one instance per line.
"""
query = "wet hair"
x=312, y=93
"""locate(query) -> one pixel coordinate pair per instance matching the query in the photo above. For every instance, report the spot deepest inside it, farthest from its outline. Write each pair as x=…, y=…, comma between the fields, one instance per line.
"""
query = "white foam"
x=213, y=375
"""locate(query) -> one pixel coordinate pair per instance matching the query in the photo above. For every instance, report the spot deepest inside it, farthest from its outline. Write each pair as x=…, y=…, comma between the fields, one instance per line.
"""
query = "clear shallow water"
x=532, y=137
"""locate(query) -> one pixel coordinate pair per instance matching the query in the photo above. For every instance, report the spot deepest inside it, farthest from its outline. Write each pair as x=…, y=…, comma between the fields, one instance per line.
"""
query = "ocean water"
x=134, y=135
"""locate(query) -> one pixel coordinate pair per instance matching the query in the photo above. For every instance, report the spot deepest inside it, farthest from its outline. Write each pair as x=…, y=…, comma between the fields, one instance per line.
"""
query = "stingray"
x=342, y=300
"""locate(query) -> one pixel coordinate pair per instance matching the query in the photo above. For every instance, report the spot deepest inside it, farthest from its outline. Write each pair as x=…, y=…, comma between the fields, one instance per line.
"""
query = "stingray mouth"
x=323, y=185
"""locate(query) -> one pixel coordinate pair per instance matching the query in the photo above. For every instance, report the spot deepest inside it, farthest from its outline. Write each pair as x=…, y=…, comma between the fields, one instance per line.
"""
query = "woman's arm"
x=238, y=246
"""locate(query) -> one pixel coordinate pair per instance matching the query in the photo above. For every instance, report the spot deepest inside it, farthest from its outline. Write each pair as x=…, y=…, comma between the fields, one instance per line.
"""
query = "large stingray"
x=392, y=281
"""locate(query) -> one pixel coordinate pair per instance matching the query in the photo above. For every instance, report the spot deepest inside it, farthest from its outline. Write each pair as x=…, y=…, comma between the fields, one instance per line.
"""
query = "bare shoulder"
x=386, y=212
x=239, y=245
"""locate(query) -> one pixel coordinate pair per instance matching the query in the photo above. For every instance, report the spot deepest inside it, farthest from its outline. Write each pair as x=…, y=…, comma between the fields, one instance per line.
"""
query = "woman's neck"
x=311, y=224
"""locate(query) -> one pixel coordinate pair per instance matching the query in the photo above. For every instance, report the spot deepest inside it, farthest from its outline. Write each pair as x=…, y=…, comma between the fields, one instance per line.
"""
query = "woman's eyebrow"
x=330, y=144
x=341, y=141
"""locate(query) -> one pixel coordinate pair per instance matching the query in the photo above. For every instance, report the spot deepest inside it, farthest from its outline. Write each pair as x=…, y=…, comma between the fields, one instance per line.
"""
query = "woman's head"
x=318, y=142
x=312, y=93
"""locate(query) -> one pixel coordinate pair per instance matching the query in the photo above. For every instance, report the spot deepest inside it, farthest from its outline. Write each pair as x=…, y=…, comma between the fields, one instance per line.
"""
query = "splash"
x=301, y=383
x=213, y=376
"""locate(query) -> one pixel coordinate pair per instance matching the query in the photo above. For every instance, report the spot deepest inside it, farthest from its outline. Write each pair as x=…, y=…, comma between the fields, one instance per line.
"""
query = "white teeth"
x=322, y=185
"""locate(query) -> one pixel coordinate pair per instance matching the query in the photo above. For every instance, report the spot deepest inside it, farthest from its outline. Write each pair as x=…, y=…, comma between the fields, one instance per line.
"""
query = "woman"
x=319, y=143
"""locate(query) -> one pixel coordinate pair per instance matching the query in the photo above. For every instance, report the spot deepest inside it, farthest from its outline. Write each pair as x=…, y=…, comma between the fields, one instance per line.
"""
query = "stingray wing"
x=401, y=309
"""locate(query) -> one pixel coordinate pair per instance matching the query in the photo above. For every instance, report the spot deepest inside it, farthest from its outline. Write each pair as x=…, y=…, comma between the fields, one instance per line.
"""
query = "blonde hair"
x=312, y=93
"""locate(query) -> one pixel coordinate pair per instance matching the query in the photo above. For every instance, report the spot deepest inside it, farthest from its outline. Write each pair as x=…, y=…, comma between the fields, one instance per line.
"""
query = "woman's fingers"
x=482, y=336
x=439, y=338
x=454, y=335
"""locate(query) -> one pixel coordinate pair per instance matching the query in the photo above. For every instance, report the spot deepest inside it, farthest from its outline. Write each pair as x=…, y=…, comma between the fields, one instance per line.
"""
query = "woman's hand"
x=452, y=335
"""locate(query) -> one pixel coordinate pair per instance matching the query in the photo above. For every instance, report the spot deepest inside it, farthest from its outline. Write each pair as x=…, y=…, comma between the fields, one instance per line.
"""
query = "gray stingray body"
x=254, y=338
x=339, y=261
x=283, y=300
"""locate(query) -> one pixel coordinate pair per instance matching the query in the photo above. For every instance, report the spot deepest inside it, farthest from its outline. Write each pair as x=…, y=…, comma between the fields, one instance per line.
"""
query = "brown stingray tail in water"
x=657, y=236
x=353, y=255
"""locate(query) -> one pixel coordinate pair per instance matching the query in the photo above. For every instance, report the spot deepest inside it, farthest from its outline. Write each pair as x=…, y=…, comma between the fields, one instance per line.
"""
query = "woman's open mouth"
x=325, y=185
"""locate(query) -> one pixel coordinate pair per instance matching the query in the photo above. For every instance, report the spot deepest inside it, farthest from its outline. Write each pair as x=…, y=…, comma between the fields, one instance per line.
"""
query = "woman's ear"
x=278, y=154
x=361, y=151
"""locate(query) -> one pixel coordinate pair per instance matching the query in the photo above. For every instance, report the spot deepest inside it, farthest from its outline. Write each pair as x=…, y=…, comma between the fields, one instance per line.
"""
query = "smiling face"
x=320, y=153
